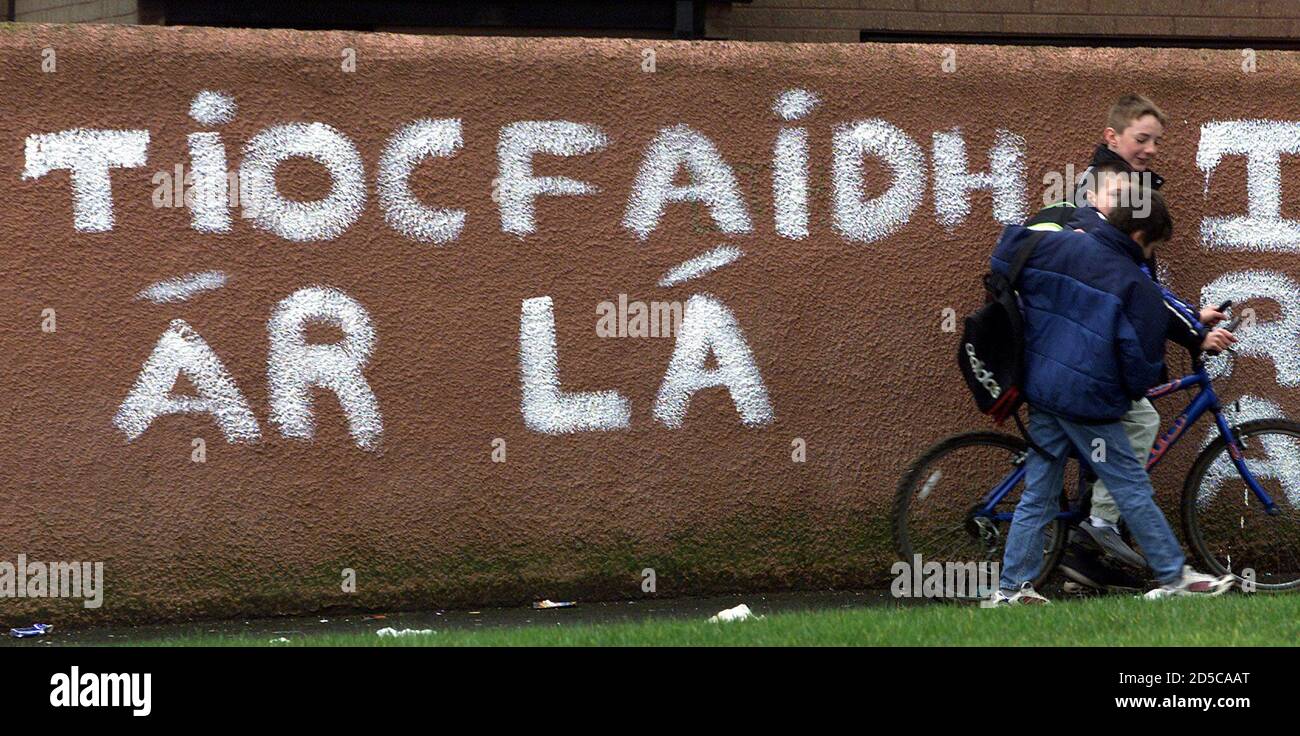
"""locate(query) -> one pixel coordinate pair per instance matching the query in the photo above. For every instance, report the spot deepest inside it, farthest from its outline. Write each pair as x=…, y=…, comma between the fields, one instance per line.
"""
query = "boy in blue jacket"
x=1095, y=325
x=1134, y=130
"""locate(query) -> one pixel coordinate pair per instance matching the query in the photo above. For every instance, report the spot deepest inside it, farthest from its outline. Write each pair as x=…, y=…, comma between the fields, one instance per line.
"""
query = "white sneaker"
x=1026, y=596
x=1193, y=583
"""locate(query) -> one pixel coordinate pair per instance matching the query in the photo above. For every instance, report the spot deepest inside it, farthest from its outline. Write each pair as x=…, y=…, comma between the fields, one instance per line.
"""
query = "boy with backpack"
x=1094, y=325
x=1131, y=139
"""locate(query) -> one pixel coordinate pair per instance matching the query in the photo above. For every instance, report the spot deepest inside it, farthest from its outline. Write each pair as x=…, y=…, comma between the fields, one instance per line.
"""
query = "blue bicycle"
x=1251, y=530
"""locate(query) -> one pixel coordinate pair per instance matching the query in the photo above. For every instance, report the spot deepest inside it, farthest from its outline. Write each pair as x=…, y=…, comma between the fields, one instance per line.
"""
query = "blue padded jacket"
x=1095, y=323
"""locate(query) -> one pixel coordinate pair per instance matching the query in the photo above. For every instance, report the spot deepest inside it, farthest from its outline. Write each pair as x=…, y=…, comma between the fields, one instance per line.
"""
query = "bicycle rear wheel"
x=937, y=504
x=1226, y=525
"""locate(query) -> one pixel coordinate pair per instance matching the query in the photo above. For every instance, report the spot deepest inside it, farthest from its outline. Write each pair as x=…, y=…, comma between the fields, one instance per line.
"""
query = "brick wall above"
x=1165, y=21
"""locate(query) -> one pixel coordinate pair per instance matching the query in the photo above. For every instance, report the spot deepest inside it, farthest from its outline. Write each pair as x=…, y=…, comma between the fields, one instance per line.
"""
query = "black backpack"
x=991, y=353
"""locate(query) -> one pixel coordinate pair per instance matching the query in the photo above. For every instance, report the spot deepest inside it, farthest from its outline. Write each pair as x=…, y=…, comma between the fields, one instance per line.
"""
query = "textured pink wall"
x=844, y=333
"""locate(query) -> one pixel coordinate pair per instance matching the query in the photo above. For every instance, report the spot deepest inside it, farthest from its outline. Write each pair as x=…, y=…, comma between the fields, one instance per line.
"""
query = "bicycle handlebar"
x=1230, y=326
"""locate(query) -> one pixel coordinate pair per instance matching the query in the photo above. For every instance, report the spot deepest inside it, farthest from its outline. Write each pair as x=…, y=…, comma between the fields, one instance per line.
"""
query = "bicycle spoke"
x=943, y=552
x=1232, y=530
x=944, y=489
x=958, y=535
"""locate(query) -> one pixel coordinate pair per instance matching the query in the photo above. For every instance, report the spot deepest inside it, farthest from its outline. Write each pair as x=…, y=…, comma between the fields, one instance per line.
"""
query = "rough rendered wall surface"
x=444, y=288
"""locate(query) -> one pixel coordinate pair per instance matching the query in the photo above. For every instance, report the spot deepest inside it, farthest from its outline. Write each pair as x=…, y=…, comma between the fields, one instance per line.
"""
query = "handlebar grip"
x=1231, y=326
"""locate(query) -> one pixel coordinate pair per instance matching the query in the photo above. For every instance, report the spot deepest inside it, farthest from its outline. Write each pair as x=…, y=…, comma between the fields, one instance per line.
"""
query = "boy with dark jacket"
x=1134, y=131
x=1095, y=325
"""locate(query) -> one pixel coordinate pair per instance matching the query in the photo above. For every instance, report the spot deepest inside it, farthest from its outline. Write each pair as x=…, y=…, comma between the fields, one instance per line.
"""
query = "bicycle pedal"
x=1078, y=590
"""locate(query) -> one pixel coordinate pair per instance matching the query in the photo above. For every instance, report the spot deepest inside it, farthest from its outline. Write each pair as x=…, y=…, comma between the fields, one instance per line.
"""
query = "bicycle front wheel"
x=937, y=507
x=1225, y=523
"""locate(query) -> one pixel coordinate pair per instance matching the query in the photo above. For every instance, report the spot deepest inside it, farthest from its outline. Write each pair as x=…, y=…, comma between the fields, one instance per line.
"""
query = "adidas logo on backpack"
x=991, y=352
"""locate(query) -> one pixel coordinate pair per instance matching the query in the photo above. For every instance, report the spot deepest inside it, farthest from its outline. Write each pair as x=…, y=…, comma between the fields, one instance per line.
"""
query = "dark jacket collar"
x=1089, y=220
x=1086, y=218
x=1108, y=235
x=1102, y=154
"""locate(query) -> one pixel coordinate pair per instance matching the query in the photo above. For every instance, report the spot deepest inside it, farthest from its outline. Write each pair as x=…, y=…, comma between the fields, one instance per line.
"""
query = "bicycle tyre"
x=1193, y=528
x=909, y=484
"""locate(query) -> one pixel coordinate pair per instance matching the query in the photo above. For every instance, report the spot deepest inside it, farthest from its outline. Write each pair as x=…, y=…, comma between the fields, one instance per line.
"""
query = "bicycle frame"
x=1206, y=400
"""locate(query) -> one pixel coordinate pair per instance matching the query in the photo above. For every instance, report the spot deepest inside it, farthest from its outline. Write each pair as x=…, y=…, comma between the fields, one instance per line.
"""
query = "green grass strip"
x=1233, y=620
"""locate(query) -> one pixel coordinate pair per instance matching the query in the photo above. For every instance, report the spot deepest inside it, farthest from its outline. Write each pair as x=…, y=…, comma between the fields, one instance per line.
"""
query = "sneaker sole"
x=1220, y=587
x=1130, y=559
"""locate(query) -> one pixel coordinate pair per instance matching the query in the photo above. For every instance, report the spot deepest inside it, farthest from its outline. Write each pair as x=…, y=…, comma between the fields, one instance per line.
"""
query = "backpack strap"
x=1024, y=433
x=1018, y=263
x=1053, y=214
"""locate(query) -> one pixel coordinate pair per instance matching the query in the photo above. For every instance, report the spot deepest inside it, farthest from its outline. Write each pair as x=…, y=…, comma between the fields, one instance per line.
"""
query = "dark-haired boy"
x=1131, y=140
x=1095, y=325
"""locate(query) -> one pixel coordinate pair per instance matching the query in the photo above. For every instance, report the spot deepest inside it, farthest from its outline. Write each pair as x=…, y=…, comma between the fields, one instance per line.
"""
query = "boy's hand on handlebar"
x=1217, y=341
x=1210, y=316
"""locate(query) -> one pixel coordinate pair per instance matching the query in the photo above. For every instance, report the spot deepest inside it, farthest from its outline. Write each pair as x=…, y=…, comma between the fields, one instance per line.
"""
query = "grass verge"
x=1234, y=620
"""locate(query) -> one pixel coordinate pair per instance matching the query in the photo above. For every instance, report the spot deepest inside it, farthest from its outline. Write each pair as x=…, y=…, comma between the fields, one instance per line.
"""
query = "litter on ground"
x=739, y=613
x=390, y=631
x=25, y=632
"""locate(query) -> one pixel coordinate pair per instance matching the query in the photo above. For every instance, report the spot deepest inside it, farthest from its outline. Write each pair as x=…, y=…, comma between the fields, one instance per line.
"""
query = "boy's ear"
x=1140, y=238
x=1111, y=136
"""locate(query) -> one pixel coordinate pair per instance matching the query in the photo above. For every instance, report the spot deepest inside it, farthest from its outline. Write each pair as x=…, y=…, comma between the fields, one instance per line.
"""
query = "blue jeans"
x=1124, y=476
